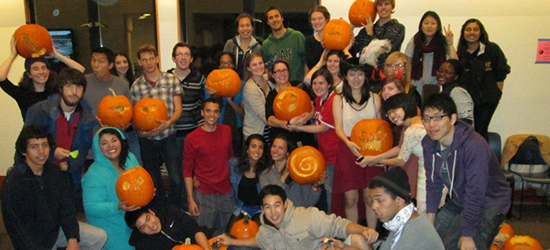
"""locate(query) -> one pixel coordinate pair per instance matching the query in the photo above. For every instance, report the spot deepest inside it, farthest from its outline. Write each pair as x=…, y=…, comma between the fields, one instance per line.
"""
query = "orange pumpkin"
x=306, y=165
x=244, y=228
x=522, y=242
x=226, y=82
x=215, y=245
x=507, y=229
x=147, y=113
x=187, y=246
x=360, y=10
x=337, y=34
x=135, y=186
x=291, y=102
x=33, y=41
x=115, y=110
x=506, y=232
x=373, y=136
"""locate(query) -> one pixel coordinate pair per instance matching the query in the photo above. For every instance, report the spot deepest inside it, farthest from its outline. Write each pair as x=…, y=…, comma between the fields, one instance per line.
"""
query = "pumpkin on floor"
x=135, y=186
x=187, y=246
x=115, y=110
x=337, y=34
x=373, y=136
x=225, y=82
x=506, y=232
x=291, y=102
x=360, y=10
x=215, y=245
x=306, y=165
x=33, y=41
x=244, y=228
x=147, y=112
x=522, y=242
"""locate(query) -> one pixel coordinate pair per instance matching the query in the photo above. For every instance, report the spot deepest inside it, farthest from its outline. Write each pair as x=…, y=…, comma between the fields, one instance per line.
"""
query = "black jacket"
x=35, y=207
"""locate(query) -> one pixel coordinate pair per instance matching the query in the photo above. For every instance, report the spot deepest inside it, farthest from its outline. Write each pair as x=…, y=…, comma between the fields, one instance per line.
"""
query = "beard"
x=69, y=102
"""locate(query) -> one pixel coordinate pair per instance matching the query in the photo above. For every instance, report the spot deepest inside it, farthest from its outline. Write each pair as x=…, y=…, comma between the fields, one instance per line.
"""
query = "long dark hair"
x=244, y=161
x=328, y=77
x=342, y=57
x=50, y=86
x=129, y=74
x=124, y=148
x=420, y=39
x=462, y=48
x=365, y=89
x=289, y=147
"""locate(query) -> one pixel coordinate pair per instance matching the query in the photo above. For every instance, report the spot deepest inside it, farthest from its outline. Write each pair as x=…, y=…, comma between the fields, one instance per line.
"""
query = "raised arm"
x=5, y=67
x=66, y=60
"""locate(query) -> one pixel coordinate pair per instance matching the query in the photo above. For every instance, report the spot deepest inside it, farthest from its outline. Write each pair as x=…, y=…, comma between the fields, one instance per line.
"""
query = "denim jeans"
x=447, y=225
x=91, y=238
x=153, y=154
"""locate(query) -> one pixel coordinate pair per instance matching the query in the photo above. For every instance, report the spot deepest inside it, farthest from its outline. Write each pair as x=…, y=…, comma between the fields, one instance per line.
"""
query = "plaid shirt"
x=165, y=89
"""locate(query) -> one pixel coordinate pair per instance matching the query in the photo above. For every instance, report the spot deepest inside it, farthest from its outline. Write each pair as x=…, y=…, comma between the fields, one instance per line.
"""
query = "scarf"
x=398, y=222
x=419, y=51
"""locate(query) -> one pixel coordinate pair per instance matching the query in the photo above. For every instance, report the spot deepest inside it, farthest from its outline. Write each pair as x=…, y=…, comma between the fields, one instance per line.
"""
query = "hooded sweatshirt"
x=476, y=180
x=233, y=45
x=290, y=48
x=100, y=199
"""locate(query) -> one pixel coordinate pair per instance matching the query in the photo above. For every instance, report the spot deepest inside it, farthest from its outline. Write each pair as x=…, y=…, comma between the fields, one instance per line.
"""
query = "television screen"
x=63, y=41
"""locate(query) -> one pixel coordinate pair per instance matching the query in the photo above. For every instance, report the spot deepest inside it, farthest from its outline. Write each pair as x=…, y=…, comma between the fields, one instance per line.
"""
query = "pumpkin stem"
x=187, y=241
x=112, y=91
x=245, y=218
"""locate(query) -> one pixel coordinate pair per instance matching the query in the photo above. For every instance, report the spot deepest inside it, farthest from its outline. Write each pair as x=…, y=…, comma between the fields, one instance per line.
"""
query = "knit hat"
x=395, y=181
x=30, y=61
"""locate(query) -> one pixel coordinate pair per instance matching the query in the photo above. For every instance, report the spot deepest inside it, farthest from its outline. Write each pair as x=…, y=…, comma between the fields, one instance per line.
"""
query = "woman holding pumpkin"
x=277, y=173
x=355, y=103
x=101, y=204
x=428, y=49
x=255, y=92
x=38, y=81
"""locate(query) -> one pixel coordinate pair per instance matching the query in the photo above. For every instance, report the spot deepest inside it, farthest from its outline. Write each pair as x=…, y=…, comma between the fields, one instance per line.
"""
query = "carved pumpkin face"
x=135, y=186
x=337, y=34
x=522, y=242
x=360, y=10
x=33, y=41
x=306, y=165
x=147, y=112
x=115, y=110
x=373, y=136
x=244, y=228
x=226, y=82
x=291, y=102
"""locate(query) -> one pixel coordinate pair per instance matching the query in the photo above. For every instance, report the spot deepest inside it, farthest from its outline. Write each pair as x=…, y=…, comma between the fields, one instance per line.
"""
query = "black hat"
x=30, y=61
x=353, y=64
x=395, y=181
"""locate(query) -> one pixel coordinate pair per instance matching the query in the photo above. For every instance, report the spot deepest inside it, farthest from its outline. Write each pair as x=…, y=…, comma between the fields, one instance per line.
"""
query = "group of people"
x=444, y=189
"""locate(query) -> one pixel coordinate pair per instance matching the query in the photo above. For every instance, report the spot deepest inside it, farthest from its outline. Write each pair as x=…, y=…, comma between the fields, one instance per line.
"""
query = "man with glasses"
x=459, y=159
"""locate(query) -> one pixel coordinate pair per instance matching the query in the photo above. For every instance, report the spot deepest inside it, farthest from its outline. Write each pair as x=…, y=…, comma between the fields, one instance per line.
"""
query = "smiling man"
x=391, y=202
x=285, y=44
x=457, y=157
x=207, y=151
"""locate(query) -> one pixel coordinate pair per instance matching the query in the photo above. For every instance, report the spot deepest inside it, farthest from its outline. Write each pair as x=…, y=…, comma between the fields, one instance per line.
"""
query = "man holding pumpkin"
x=159, y=145
x=457, y=157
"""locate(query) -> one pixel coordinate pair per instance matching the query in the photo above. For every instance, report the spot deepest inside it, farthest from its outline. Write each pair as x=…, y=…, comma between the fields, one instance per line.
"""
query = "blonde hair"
x=391, y=59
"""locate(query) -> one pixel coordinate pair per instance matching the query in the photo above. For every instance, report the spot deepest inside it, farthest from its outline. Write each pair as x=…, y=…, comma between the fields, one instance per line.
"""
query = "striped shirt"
x=191, y=103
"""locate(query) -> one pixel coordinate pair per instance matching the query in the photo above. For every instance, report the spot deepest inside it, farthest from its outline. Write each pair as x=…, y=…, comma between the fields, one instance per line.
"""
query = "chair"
x=529, y=153
x=495, y=143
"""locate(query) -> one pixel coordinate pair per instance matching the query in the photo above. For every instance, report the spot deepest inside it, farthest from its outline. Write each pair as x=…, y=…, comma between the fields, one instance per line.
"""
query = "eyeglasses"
x=436, y=118
x=399, y=65
x=183, y=54
x=279, y=71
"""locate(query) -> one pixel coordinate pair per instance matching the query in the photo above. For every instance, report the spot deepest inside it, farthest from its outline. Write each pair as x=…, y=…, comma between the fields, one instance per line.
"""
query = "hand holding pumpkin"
x=353, y=148
x=13, y=47
x=123, y=205
x=224, y=239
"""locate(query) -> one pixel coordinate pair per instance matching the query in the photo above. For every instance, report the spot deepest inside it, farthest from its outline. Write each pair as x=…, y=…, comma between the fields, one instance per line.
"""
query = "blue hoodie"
x=477, y=181
x=100, y=199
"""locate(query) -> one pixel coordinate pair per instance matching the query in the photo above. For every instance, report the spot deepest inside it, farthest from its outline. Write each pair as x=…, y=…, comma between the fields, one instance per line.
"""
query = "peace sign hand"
x=449, y=36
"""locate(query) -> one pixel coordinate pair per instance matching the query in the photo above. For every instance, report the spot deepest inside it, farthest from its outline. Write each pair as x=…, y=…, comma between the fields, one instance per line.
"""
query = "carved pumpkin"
x=306, y=165
x=522, y=242
x=226, y=82
x=506, y=232
x=115, y=110
x=244, y=228
x=373, y=136
x=337, y=34
x=507, y=229
x=33, y=41
x=215, y=245
x=360, y=10
x=135, y=186
x=147, y=113
x=187, y=246
x=291, y=102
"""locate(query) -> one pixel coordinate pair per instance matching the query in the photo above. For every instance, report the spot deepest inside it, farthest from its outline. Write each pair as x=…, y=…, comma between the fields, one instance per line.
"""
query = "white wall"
x=514, y=25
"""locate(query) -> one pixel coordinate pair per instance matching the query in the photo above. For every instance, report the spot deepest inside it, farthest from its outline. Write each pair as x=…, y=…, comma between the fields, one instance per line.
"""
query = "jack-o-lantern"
x=337, y=34
x=216, y=245
x=147, y=113
x=291, y=102
x=306, y=165
x=522, y=242
x=226, y=82
x=33, y=41
x=187, y=246
x=360, y=10
x=135, y=186
x=244, y=228
x=115, y=110
x=373, y=136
